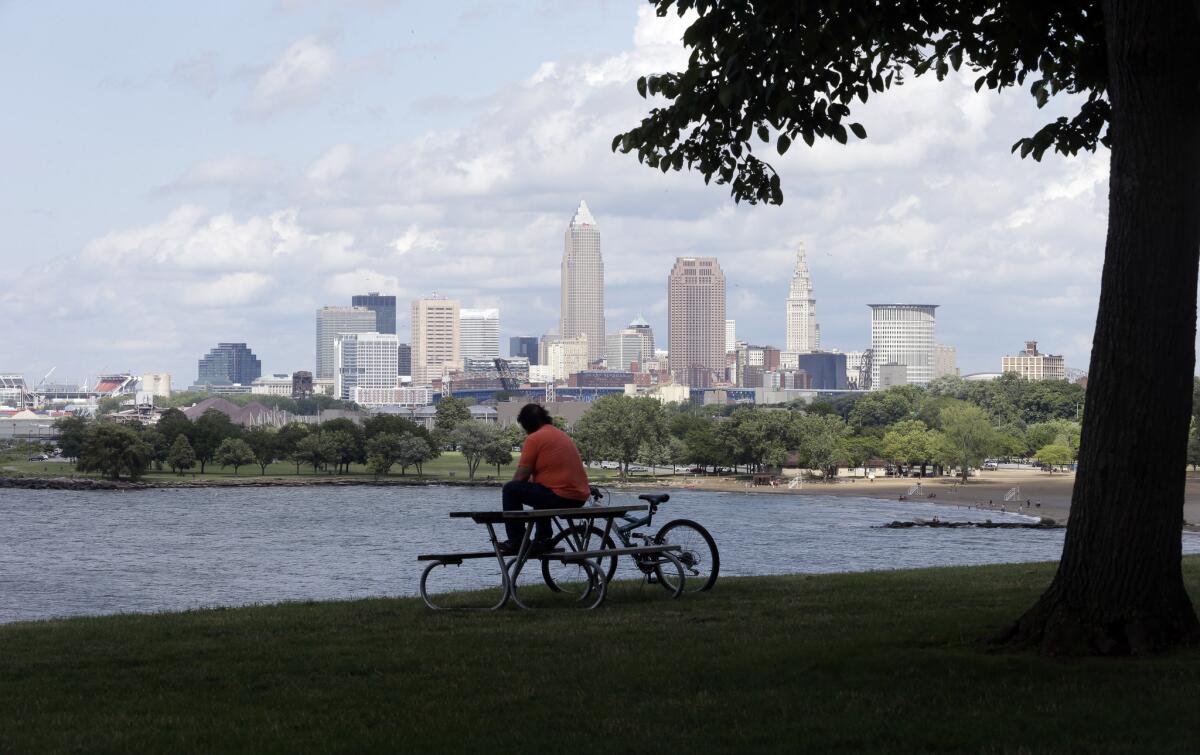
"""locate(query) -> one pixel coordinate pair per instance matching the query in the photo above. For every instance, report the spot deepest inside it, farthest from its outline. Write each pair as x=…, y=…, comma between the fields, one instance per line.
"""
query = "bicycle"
x=698, y=551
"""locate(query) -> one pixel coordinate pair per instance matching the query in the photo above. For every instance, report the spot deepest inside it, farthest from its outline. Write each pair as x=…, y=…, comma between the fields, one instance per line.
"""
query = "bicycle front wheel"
x=698, y=553
x=557, y=574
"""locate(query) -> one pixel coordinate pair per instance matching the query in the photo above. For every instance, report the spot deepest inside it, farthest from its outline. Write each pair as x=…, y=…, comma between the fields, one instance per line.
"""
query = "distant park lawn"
x=885, y=661
x=450, y=465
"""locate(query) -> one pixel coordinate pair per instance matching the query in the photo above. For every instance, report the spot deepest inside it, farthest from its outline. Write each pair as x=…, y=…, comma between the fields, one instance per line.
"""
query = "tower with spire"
x=802, y=332
x=582, y=298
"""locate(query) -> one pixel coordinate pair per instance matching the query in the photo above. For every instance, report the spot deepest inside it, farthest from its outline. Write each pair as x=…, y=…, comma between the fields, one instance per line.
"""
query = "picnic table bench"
x=591, y=594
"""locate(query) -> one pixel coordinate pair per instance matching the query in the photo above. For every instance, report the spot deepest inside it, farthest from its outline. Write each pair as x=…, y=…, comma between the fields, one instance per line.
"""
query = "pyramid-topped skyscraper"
x=802, y=333
x=582, y=304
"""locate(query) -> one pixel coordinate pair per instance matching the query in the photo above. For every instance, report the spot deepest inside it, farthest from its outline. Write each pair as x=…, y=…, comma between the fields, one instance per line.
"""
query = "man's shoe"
x=508, y=547
x=538, y=547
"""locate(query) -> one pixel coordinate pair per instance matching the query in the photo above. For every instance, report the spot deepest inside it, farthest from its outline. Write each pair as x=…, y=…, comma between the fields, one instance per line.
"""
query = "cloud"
x=296, y=80
x=233, y=289
x=234, y=172
x=932, y=207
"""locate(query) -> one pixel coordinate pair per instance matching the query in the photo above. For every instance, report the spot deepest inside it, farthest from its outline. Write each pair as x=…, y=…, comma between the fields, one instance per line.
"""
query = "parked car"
x=609, y=465
x=990, y=466
x=39, y=457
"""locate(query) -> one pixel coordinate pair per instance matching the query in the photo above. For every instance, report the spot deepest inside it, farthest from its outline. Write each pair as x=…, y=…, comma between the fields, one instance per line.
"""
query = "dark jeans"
x=535, y=496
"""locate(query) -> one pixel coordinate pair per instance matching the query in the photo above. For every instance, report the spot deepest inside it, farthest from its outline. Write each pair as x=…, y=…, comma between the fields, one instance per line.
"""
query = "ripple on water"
x=90, y=552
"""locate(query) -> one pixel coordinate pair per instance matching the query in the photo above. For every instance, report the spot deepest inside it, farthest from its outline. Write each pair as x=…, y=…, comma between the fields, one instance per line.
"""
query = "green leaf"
x=784, y=142
x=808, y=137
x=858, y=130
x=725, y=95
x=839, y=133
x=764, y=134
x=641, y=86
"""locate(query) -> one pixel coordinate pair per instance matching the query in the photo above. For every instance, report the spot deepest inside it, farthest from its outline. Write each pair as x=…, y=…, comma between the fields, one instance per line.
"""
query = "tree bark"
x=1119, y=586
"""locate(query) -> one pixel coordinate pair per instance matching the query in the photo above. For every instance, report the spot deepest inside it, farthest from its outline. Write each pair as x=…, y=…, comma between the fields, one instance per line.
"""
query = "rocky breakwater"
x=71, y=483
x=1045, y=523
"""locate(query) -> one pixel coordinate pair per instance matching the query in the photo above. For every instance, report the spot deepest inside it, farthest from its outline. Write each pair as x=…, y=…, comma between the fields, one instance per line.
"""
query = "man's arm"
x=522, y=474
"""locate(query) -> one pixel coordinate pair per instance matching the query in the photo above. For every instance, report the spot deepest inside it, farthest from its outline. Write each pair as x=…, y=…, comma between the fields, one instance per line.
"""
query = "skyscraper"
x=384, y=308
x=902, y=334
x=479, y=333
x=647, y=333
x=730, y=334
x=582, y=304
x=334, y=320
x=802, y=333
x=632, y=344
x=364, y=360
x=435, y=339
x=696, y=310
x=404, y=360
x=228, y=363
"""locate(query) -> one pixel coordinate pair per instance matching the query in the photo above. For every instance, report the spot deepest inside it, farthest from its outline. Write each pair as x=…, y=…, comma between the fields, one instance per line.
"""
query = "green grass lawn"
x=889, y=661
x=449, y=466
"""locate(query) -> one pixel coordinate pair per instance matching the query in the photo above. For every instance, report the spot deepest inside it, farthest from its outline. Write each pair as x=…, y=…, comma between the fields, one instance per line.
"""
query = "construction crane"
x=42, y=383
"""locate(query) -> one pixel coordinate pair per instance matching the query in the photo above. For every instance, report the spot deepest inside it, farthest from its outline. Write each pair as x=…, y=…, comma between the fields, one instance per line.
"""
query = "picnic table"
x=592, y=593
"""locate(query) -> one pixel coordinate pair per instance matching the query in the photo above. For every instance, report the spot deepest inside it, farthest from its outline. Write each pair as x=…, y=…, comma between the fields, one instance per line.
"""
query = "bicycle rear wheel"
x=698, y=554
x=577, y=538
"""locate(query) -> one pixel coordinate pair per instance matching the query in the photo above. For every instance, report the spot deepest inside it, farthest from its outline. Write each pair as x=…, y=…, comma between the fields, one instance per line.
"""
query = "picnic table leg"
x=596, y=583
x=517, y=563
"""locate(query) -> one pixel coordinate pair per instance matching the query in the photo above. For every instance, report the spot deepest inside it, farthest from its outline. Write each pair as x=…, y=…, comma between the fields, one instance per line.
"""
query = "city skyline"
x=282, y=195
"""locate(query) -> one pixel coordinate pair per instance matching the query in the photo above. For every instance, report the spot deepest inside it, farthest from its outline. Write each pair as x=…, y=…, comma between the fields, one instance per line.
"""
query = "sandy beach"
x=1048, y=495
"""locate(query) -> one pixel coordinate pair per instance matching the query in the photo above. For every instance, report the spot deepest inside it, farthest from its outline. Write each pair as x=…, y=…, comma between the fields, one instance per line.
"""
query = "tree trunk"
x=1119, y=586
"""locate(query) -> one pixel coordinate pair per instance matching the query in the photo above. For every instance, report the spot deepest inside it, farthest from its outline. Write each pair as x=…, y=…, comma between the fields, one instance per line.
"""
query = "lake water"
x=65, y=553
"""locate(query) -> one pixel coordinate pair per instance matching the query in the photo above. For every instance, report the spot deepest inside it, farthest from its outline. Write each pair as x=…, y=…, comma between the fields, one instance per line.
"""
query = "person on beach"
x=550, y=475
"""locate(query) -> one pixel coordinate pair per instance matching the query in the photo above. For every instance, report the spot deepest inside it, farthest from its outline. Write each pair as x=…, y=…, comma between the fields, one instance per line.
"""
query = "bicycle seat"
x=596, y=494
x=655, y=499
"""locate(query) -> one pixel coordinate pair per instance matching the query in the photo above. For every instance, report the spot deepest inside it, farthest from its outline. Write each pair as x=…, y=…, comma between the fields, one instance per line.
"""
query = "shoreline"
x=92, y=483
x=1049, y=496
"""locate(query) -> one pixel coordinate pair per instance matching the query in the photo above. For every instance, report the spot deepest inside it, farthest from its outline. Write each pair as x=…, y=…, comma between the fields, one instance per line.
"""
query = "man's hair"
x=533, y=416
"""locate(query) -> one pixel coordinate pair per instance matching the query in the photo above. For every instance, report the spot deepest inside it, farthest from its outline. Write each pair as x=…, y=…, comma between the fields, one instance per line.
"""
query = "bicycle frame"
x=622, y=532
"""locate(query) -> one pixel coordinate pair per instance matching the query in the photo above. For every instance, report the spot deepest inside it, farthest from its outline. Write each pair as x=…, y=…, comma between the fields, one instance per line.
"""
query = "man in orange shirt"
x=550, y=475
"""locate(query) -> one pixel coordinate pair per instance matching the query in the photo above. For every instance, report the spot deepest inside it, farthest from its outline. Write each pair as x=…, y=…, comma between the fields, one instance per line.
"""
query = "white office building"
x=399, y=396
x=479, y=333
x=730, y=334
x=582, y=296
x=364, y=360
x=632, y=344
x=566, y=356
x=334, y=320
x=902, y=334
x=279, y=384
x=802, y=333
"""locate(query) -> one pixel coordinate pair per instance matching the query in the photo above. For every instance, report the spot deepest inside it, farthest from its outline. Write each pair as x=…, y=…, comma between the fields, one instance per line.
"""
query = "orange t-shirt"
x=552, y=457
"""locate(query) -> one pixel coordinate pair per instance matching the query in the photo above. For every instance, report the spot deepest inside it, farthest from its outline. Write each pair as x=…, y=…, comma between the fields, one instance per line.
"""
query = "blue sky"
x=182, y=174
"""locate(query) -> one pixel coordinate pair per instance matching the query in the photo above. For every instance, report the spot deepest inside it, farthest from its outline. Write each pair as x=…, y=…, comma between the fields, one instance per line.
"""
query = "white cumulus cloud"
x=297, y=79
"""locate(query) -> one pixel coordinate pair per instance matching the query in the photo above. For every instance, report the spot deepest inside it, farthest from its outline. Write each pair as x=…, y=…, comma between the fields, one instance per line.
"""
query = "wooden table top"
x=583, y=512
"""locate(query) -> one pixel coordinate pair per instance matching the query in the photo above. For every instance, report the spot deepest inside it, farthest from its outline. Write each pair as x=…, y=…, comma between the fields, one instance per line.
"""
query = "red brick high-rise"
x=696, y=310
